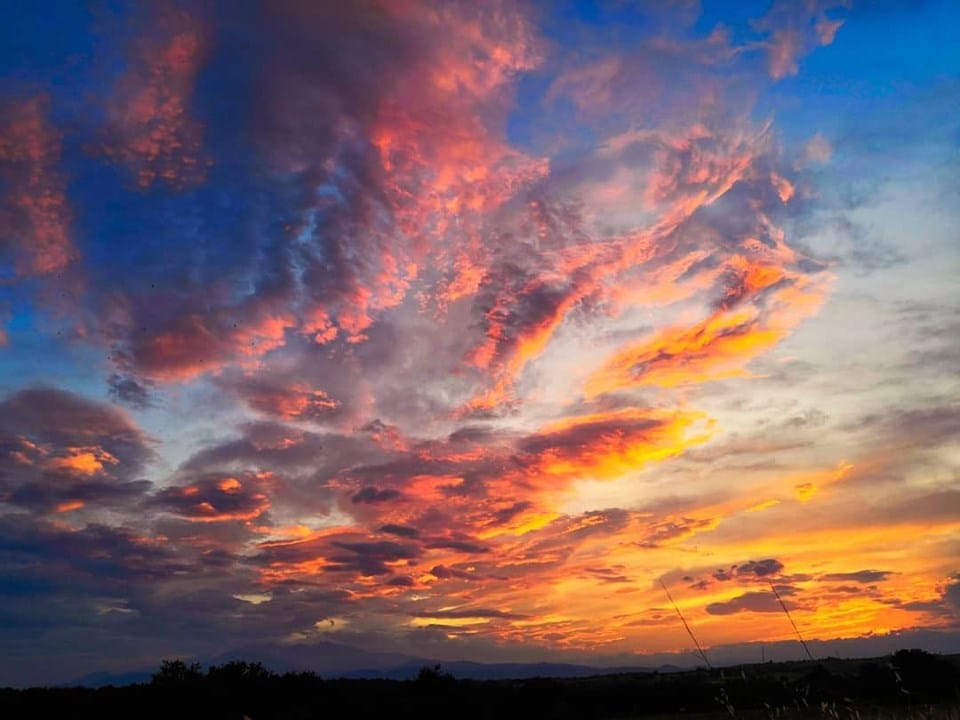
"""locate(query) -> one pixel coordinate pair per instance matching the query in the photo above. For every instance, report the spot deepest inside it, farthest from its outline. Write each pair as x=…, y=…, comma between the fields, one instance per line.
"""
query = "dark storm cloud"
x=463, y=545
x=136, y=393
x=865, y=577
x=370, y=558
x=747, y=573
x=402, y=581
x=45, y=496
x=507, y=514
x=471, y=613
x=71, y=559
x=951, y=593
x=445, y=573
x=754, y=601
x=760, y=568
x=401, y=530
x=351, y=553
x=372, y=495
x=609, y=575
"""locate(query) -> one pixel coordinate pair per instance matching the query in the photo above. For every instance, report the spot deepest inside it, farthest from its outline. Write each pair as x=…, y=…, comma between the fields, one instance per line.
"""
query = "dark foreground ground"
x=910, y=684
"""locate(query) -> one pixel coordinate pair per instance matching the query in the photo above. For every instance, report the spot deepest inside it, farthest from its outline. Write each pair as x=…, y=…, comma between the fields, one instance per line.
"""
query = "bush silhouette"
x=177, y=672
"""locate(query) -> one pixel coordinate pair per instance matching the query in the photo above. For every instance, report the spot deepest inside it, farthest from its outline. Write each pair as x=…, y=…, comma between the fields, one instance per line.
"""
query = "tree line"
x=837, y=689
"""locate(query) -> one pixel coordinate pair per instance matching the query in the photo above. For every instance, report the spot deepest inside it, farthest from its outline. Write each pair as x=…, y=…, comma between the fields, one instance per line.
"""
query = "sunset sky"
x=454, y=329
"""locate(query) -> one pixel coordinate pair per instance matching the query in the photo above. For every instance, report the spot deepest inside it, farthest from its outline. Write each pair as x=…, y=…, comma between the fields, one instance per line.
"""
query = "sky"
x=468, y=331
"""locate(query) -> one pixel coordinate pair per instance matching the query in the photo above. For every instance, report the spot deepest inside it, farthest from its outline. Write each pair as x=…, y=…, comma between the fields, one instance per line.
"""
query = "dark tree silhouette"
x=177, y=672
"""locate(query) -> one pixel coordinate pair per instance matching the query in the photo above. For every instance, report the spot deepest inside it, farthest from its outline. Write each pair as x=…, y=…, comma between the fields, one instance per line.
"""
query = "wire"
x=686, y=627
x=790, y=618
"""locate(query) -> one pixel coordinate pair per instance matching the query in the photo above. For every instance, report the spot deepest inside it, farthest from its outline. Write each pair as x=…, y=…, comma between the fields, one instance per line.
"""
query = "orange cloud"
x=720, y=345
x=69, y=506
x=783, y=51
x=294, y=402
x=82, y=461
x=216, y=499
x=691, y=170
x=608, y=445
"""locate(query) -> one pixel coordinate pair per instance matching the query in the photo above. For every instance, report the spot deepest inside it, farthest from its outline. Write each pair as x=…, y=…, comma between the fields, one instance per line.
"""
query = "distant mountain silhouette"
x=491, y=671
x=335, y=660
x=324, y=658
x=106, y=679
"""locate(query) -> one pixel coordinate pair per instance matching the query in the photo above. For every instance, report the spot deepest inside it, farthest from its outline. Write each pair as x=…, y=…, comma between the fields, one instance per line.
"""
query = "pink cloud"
x=827, y=30
x=150, y=128
x=818, y=150
x=783, y=51
x=34, y=211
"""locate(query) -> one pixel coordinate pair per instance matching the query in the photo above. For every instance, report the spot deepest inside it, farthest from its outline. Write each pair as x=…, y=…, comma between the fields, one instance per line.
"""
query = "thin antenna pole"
x=686, y=627
x=790, y=618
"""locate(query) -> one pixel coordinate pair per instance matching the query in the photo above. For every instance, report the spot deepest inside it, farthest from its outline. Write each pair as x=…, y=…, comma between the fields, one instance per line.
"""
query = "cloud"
x=796, y=29
x=817, y=150
x=216, y=498
x=951, y=593
x=442, y=327
x=470, y=613
x=400, y=530
x=760, y=568
x=338, y=552
x=192, y=344
x=372, y=495
x=463, y=545
x=35, y=215
x=150, y=128
x=784, y=49
x=94, y=553
x=131, y=391
x=62, y=452
x=865, y=577
x=286, y=402
x=827, y=30
x=753, y=602
x=674, y=529
x=608, y=576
